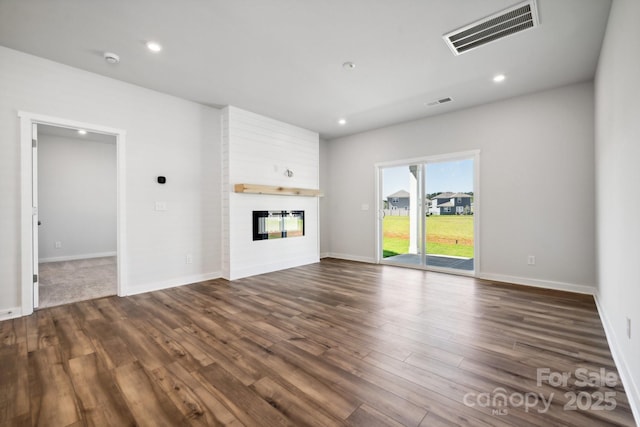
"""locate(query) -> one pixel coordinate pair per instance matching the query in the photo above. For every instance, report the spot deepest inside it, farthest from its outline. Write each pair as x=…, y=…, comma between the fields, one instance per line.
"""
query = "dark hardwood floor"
x=329, y=344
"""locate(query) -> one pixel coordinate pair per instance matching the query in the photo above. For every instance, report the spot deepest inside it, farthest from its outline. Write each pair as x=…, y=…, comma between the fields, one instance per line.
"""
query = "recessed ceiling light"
x=348, y=65
x=499, y=78
x=342, y=122
x=154, y=46
x=82, y=131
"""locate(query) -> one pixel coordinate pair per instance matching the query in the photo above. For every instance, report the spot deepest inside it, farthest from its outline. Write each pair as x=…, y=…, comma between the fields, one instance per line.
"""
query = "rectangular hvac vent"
x=515, y=19
x=440, y=101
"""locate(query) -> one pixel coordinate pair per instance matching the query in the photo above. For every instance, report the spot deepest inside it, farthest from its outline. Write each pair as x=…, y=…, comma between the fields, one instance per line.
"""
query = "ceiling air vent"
x=515, y=19
x=440, y=101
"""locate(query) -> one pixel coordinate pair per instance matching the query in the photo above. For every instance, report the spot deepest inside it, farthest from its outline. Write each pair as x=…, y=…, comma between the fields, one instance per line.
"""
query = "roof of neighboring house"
x=446, y=195
x=448, y=204
x=401, y=193
x=449, y=195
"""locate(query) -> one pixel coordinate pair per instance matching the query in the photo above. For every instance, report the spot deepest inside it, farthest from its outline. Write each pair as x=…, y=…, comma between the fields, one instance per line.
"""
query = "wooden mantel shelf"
x=272, y=189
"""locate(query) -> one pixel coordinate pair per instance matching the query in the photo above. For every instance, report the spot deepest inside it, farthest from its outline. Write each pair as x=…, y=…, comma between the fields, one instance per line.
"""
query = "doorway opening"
x=428, y=212
x=73, y=204
x=77, y=205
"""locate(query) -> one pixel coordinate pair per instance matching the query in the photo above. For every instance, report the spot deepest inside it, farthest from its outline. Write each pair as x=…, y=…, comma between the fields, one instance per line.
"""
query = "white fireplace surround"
x=257, y=149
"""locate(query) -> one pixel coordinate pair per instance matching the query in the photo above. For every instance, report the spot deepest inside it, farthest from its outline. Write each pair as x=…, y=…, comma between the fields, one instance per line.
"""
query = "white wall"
x=535, y=147
x=258, y=150
x=618, y=179
x=165, y=136
x=325, y=224
x=76, y=198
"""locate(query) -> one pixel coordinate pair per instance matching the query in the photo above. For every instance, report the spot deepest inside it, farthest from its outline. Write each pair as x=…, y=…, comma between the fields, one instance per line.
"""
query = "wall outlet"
x=628, y=328
x=161, y=206
x=58, y=245
x=188, y=259
x=531, y=260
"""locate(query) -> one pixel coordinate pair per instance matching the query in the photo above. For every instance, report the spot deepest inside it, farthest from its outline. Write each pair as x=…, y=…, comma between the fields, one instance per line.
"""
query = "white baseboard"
x=172, y=283
x=525, y=281
x=77, y=257
x=631, y=387
x=324, y=255
x=536, y=283
x=10, y=313
x=351, y=257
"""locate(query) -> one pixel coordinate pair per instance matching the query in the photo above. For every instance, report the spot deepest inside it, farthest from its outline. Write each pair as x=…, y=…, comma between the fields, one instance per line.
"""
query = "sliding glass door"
x=402, y=187
x=450, y=217
x=427, y=212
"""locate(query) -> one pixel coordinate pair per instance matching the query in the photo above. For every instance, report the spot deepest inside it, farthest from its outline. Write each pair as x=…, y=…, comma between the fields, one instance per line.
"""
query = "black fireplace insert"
x=277, y=224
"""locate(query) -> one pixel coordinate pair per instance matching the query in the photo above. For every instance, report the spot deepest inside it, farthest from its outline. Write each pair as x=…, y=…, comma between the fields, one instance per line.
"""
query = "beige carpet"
x=70, y=281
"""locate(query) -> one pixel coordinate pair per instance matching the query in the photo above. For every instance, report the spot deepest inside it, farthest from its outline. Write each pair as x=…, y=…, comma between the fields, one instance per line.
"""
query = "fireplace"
x=277, y=224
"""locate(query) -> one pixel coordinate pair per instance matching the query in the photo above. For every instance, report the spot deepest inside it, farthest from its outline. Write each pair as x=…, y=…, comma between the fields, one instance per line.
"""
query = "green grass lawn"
x=446, y=235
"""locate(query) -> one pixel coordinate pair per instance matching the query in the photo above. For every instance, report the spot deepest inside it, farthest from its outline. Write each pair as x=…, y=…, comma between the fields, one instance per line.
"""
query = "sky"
x=455, y=176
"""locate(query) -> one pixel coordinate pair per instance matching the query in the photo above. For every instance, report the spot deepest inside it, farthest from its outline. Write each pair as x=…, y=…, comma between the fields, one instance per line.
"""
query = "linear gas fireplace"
x=277, y=224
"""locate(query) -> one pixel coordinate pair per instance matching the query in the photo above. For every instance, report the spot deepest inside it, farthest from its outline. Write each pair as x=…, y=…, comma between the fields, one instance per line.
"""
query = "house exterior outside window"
x=452, y=204
x=399, y=200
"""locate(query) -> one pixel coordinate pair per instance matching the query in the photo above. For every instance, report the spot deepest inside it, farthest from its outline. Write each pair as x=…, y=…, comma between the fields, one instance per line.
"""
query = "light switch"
x=364, y=207
x=161, y=206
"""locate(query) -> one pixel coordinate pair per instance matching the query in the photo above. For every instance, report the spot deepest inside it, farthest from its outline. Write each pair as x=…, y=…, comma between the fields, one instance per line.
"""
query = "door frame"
x=461, y=155
x=28, y=185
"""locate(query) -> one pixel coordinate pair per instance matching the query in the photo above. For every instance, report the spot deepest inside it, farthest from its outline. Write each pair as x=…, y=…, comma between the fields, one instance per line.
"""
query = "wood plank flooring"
x=329, y=344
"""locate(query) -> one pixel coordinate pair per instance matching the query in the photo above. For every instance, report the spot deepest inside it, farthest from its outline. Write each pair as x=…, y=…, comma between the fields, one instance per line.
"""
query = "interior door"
x=35, y=220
